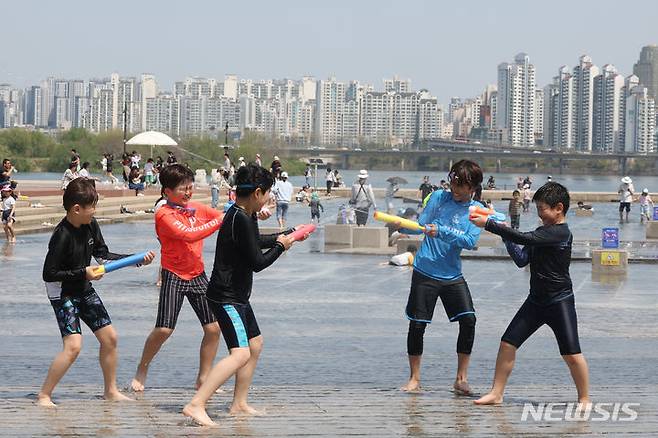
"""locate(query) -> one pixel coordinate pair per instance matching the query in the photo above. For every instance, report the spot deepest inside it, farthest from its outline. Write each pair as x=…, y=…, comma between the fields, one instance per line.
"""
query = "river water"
x=578, y=183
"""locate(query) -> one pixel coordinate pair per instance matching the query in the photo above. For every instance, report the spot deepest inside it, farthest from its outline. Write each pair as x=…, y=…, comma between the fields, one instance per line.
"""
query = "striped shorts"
x=173, y=290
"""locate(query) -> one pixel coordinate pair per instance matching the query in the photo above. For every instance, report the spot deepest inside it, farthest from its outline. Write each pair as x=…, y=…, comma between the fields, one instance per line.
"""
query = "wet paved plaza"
x=335, y=351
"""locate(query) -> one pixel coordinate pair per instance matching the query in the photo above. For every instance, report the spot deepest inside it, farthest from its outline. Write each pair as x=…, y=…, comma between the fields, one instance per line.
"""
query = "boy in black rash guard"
x=551, y=299
x=237, y=256
x=67, y=274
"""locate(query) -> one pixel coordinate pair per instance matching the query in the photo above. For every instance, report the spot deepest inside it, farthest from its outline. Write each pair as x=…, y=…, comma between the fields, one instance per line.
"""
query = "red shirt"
x=181, y=237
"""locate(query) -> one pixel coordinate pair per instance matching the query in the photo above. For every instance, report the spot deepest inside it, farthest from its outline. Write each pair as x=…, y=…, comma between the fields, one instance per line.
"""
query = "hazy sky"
x=451, y=48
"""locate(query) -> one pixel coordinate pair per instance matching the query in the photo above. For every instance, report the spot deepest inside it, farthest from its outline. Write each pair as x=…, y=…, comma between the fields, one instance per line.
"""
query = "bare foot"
x=411, y=386
x=137, y=386
x=198, y=414
x=116, y=396
x=462, y=388
x=244, y=410
x=45, y=401
x=138, y=381
x=489, y=399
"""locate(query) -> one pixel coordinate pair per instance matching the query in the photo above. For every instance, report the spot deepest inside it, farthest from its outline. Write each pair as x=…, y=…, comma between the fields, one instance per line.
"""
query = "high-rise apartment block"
x=515, y=113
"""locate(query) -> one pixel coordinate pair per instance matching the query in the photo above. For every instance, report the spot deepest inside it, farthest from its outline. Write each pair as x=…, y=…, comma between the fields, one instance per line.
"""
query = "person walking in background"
x=391, y=190
x=69, y=174
x=125, y=163
x=626, y=192
x=308, y=175
x=526, y=198
x=75, y=158
x=258, y=160
x=7, y=170
x=362, y=198
x=283, y=193
x=424, y=190
x=8, y=213
x=135, y=158
x=275, y=167
x=316, y=207
x=329, y=179
x=338, y=179
x=109, y=167
x=149, y=169
x=646, y=206
x=514, y=209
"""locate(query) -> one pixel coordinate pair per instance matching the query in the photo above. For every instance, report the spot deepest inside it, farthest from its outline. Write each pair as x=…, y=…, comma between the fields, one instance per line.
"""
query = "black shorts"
x=172, y=292
x=70, y=310
x=315, y=215
x=237, y=323
x=425, y=291
x=7, y=217
x=560, y=317
x=624, y=206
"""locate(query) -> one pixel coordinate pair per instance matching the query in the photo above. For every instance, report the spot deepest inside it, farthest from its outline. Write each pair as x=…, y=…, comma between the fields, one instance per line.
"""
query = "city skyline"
x=446, y=50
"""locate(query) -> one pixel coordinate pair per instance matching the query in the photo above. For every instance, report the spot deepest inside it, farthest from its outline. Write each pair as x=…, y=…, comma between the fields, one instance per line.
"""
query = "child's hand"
x=286, y=241
x=264, y=214
x=297, y=227
x=479, y=220
x=431, y=230
x=91, y=274
x=148, y=258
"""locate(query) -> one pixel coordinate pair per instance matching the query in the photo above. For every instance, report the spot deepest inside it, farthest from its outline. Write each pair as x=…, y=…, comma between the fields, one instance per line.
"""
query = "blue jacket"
x=439, y=257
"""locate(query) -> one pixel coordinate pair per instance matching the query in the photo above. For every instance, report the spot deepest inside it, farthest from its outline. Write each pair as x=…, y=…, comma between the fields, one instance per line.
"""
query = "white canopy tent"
x=152, y=138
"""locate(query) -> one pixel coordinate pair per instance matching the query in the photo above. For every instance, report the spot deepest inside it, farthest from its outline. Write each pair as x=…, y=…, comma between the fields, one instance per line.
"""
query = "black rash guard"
x=238, y=255
x=548, y=250
x=69, y=253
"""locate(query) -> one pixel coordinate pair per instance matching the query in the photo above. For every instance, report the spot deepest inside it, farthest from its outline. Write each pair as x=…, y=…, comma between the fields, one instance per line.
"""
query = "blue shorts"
x=237, y=323
x=282, y=210
x=89, y=308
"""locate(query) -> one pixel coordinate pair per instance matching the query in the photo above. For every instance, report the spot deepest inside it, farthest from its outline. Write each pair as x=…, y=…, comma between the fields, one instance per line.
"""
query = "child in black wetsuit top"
x=551, y=299
x=68, y=277
x=237, y=256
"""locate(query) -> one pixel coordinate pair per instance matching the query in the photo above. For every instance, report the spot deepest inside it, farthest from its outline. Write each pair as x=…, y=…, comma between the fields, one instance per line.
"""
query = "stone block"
x=370, y=237
x=405, y=242
x=584, y=213
x=652, y=230
x=609, y=261
x=338, y=234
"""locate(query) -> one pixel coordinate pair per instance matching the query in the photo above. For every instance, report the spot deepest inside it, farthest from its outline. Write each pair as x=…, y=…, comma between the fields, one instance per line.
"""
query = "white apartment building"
x=397, y=85
x=640, y=122
x=607, y=103
x=330, y=101
x=515, y=112
x=583, y=114
x=539, y=115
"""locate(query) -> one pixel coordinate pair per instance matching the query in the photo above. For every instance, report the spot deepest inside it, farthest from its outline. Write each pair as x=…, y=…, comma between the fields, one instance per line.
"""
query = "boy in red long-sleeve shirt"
x=181, y=226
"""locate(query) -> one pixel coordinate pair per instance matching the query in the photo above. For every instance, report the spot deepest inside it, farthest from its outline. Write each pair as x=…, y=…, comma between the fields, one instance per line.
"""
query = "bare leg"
x=220, y=373
x=108, y=358
x=153, y=343
x=208, y=351
x=243, y=379
x=580, y=374
x=413, y=385
x=504, y=366
x=59, y=367
x=461, y=381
